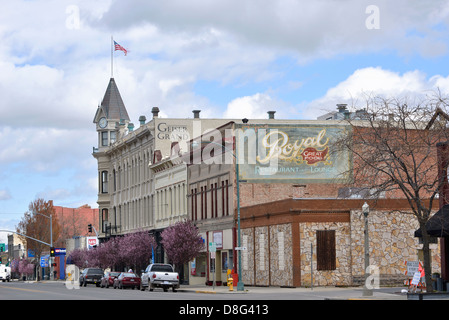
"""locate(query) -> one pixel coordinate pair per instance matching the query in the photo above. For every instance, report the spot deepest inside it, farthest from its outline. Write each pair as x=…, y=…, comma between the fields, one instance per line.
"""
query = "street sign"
x=44, y=261
x=416, y=278
x=212, y=246
x=412, y=267
x=240, y=248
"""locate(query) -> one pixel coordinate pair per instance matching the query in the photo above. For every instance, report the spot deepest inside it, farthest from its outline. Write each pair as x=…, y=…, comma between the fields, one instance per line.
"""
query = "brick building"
x=299, y=206
x=73, y=222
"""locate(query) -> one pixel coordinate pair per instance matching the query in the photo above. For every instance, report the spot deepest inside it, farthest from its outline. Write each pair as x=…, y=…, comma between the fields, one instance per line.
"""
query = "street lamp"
x=365, y=210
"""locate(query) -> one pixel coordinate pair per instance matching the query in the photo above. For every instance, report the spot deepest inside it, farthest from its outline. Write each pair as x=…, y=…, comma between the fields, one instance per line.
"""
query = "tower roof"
x=112, y=103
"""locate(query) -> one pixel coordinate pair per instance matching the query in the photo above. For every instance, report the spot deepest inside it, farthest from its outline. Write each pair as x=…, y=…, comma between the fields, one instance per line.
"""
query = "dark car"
x=108, y=279
x=91, y=275
x=127, y=279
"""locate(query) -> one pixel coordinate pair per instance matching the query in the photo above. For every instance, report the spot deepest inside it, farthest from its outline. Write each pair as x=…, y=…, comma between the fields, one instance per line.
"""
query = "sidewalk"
x=326, y=293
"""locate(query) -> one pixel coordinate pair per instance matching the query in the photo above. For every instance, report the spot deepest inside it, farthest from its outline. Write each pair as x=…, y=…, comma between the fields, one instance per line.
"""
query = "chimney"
x=155, y=112
x=244, y=120
x=130, y=127
x=271, y=114
x=175, y=149
x=142, y=120
x=157, y=156
x=196, y=114
x=341, y=107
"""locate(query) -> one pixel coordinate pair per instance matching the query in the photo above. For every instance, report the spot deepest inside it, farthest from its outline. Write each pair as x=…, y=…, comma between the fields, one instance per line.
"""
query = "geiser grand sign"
x=292, y=153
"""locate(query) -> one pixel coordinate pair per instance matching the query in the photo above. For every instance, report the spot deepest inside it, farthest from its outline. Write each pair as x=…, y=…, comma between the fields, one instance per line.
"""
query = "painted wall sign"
x=289, y=153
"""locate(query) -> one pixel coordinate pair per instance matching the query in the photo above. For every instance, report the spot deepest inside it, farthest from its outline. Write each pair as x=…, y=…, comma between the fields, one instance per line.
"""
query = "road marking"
x=22, y=289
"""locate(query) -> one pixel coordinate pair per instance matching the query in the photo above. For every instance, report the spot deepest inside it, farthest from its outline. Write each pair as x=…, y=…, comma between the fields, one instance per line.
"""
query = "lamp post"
x=240, y=284
x=365, y=210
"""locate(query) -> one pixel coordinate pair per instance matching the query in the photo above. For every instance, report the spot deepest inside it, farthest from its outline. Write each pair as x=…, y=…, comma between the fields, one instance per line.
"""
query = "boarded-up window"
x=325, y=248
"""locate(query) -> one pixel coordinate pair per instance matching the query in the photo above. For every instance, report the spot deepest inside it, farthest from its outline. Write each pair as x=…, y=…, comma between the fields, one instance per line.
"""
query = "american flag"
x=119, y=47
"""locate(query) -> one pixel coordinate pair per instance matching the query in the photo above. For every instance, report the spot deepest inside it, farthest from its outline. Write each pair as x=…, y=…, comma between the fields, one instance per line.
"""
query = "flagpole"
x=112, y=57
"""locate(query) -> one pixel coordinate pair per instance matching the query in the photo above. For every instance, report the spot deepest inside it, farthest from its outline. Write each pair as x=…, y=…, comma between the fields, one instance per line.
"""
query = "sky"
x=227, y=58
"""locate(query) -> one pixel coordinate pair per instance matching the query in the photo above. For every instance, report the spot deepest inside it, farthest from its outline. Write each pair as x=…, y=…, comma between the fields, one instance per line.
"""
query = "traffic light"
x=89, y=227
x=52, y=251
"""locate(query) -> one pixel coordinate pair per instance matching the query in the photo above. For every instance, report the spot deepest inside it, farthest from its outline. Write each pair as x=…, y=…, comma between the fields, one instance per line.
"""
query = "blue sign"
x=44, y=261
x=60, y=251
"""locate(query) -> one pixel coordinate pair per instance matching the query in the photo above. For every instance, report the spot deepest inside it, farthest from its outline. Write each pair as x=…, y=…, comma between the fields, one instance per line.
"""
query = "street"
x=57, y=290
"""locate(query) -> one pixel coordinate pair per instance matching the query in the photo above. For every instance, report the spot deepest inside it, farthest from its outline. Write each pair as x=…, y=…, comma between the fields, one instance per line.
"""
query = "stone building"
x=281, y=237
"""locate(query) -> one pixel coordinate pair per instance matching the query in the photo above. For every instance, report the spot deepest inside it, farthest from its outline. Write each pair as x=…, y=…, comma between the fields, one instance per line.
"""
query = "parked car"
x=159, y=275
x=5, y=273
x=127, y=279
x=108, y=279
x=91, y=275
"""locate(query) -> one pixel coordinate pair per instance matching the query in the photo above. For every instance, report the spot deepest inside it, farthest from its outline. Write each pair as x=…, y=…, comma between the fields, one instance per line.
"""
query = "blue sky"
x=228, y=58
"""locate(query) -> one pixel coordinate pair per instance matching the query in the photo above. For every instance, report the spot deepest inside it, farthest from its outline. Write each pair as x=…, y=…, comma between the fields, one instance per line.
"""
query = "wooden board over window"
x=326, y=255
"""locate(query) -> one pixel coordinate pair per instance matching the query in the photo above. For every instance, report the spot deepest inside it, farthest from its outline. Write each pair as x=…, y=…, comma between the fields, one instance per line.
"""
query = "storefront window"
x=200, y=266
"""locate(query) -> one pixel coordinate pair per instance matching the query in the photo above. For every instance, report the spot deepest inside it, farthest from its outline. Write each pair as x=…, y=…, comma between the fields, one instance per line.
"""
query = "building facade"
x=296, y=241
x=299, y=219
x=141, y=186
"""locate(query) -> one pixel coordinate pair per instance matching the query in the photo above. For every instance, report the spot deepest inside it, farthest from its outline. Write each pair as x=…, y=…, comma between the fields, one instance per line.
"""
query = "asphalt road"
x=18, y=290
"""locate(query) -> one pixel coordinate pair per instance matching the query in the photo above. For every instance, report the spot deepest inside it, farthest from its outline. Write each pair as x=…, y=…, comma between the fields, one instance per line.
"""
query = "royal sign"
x=292, y=154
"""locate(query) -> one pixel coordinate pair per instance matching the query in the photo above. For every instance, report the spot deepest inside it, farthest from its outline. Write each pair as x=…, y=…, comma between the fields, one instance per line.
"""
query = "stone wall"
x=268, y=260
x=391, y=243
x=342, y=274
x=269, y=256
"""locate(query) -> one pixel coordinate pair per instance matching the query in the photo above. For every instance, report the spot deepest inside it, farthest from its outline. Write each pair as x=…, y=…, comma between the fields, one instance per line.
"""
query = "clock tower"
x=111, y=119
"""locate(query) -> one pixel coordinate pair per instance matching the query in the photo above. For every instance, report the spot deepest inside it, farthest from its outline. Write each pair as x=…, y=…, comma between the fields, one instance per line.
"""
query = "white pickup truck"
x=159, y=275
x=5, y=273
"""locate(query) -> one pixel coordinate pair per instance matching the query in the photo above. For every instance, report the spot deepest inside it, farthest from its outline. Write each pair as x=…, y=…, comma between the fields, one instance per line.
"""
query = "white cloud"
x=5, y=194
x=373, y=82
x=312, y=29
x=254, y=107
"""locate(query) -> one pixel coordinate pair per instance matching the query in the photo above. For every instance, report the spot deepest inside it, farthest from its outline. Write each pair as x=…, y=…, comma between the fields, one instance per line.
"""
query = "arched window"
x=104, y=219
x=104, y=182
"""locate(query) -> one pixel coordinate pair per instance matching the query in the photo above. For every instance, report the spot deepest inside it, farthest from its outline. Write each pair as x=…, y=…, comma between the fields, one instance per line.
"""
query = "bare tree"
x=395, y=155
x=36, y=224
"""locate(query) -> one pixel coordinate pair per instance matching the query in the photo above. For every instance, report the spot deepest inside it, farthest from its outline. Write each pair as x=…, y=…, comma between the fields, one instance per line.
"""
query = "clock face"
x=103, y=123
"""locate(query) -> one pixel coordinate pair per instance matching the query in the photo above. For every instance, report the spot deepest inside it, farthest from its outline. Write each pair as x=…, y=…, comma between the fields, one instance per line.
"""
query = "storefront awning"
x=438, y=224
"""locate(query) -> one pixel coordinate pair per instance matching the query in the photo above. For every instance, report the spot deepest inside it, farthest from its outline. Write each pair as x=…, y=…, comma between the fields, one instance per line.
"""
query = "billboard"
x=292, y=153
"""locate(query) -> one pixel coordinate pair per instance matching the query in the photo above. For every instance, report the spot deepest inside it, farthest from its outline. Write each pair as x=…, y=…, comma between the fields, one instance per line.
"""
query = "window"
x=227, y=198
x=196, y=204
x=113, y=137
x=325, y=247
x=104, y=182
x=104, y=218
x=104, y=138
x=202, y=203
x=115, y=179
x=192, y=204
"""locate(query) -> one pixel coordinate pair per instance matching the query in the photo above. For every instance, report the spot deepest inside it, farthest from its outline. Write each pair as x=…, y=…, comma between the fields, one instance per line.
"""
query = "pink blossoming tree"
x=182, y=242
